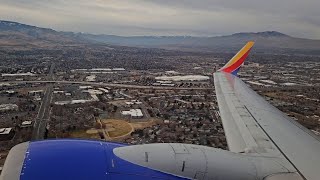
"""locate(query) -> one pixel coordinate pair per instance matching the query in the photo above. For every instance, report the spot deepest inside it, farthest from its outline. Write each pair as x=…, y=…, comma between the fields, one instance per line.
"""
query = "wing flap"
x=242, y=131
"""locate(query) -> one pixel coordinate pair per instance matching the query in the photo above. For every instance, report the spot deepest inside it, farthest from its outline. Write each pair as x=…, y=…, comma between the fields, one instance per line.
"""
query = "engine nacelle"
x=200, y=162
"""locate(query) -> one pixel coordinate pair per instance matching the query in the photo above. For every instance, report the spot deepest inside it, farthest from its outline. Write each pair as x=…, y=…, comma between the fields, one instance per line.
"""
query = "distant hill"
x=13, y=34
x=17, y=35
x=266, y=42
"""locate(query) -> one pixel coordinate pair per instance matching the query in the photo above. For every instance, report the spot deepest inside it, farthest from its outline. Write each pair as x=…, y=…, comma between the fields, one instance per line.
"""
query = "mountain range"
x=13, y=35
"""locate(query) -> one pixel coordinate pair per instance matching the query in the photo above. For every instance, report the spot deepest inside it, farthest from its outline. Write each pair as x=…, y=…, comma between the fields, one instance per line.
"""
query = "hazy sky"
x=168, y=17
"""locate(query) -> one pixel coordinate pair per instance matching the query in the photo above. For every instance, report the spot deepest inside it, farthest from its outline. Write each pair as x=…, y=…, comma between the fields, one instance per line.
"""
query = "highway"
x=40, y=124
x=128, y=86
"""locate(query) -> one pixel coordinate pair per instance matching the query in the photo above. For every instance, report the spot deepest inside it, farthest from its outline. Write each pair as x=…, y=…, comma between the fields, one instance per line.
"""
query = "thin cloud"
x=168, y=17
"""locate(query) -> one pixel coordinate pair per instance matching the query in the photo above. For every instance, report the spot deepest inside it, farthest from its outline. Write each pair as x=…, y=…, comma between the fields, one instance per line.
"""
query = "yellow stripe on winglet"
x=244, y=50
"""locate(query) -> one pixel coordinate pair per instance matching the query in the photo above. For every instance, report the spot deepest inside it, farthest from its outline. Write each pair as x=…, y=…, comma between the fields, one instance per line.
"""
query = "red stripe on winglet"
x=237, y=64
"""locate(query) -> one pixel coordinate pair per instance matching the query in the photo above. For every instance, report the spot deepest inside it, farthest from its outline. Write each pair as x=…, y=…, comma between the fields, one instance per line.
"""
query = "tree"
x=115, y=108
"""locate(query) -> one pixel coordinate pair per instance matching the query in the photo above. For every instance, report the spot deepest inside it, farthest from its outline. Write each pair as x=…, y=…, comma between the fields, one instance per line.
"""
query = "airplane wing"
x=253, y=126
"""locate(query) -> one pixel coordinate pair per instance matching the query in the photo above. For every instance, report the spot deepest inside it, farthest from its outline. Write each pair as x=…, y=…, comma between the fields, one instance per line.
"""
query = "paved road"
x=43, y=114
x=40, y=124
x=112, y=85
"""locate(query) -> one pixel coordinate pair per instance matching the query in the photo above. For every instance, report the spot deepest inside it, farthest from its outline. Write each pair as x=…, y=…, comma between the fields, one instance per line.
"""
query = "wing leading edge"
x=253, y=126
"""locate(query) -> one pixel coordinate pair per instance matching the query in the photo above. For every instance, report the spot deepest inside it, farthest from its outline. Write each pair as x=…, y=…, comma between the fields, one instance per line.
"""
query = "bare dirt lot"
x=117, y=128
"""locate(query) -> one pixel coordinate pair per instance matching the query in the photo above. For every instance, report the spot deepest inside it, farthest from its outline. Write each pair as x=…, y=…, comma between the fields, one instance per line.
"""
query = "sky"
x=300, y=18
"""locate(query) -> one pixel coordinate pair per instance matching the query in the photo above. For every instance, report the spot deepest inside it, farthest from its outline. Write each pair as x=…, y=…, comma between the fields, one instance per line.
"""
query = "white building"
x=5, y=131
x=183, y=78
x=85, y=87
x=104, y=90
x=134, y=113
x=132, y=102
x=18, y=74
x=8, y=107
x=26, y=124
x=36, y=92
x=91, y=78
